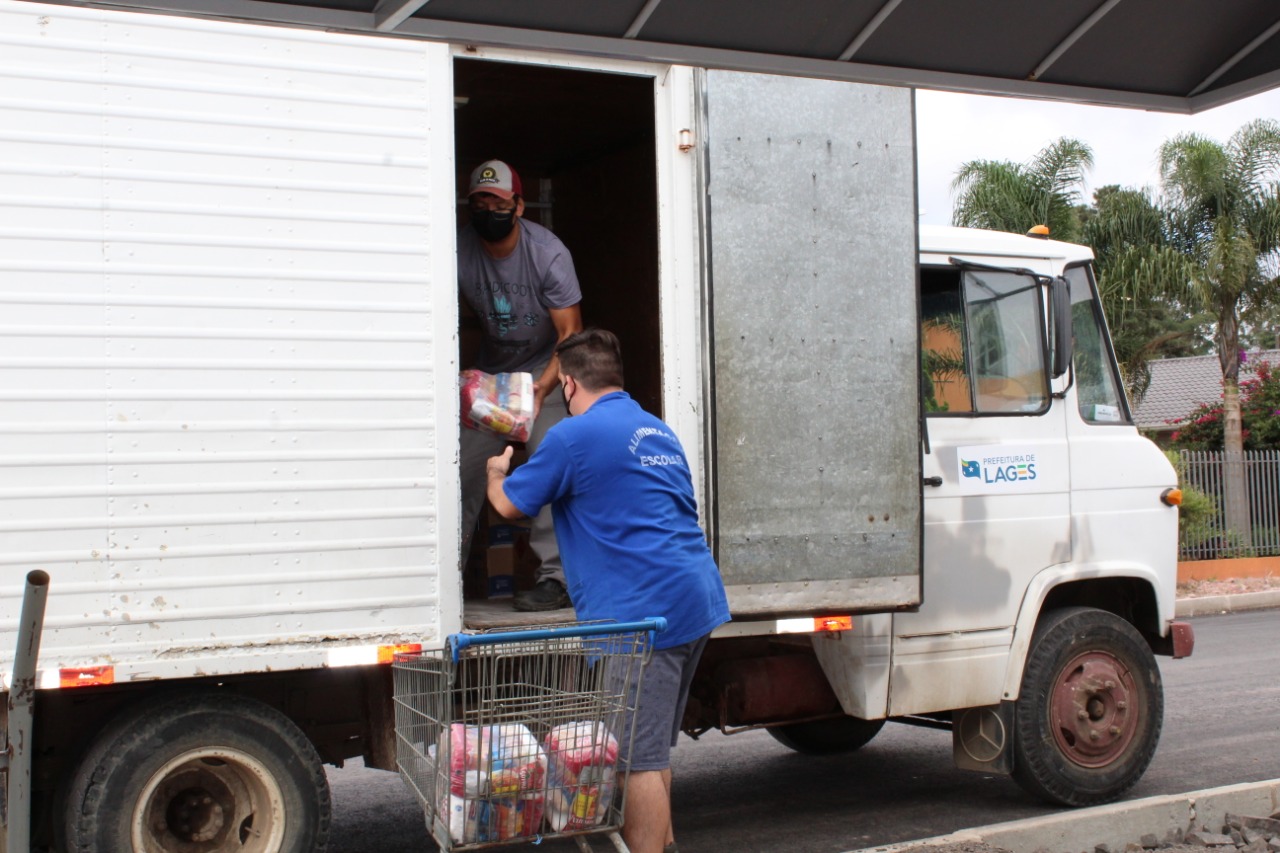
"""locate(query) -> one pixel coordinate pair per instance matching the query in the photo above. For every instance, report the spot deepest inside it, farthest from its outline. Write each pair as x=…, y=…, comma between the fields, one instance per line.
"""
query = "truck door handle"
x=932, y=481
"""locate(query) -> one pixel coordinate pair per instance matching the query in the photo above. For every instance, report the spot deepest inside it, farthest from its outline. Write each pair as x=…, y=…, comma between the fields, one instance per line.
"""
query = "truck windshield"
x=983, y=342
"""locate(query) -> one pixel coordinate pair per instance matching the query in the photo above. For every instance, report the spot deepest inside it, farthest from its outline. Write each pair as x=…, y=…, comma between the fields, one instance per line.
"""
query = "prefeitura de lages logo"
x=1011, y=468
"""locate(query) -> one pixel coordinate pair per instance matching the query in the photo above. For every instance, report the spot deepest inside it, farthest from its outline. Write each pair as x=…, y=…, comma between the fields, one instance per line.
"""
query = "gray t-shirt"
x=512, y=296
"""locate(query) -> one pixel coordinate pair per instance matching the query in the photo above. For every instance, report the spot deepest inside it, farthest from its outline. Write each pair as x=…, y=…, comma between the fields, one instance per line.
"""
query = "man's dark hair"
x=593, y=357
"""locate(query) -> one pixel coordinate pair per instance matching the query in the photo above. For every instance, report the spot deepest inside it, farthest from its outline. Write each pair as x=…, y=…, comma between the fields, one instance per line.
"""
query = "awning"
x=1171, y=55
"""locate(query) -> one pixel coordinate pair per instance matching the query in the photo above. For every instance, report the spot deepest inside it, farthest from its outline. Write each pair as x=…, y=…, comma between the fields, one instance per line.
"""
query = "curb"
x=1116, y=824
x=1227, y=603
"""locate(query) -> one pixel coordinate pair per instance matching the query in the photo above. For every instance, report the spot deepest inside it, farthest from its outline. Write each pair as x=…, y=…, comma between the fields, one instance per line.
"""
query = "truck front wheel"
x=827, y=737
x=199, y=773
x=1090, y=710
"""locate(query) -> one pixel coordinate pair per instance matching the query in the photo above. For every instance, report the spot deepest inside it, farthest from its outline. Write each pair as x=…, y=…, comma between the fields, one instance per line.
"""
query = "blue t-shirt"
x=626, y=519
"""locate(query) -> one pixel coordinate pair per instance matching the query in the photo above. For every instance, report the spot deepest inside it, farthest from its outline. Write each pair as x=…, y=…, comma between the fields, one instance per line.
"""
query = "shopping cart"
x=520, y=735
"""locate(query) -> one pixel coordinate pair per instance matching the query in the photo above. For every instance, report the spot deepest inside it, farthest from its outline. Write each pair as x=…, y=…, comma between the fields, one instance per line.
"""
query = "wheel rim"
x=213, y=800
x=1092, y=709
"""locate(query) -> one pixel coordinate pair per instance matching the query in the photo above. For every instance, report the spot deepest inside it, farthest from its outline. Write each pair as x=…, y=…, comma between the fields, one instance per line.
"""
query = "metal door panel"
x=812, y=250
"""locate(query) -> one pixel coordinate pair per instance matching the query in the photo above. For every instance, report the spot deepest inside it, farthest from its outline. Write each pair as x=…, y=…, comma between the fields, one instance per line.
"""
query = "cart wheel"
x=827, y=737
x=1090, y=709
x=200, y=773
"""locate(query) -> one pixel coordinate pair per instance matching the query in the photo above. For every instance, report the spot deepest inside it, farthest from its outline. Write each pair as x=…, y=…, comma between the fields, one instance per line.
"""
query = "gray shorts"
x=664, y=691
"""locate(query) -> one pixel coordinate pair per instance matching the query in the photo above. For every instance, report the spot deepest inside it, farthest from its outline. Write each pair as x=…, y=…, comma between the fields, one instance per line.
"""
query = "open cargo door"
x=815, y=388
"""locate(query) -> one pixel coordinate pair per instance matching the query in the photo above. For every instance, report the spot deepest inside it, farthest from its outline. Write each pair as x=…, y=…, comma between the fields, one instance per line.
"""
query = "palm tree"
x=1007, y=196
x=1224, y=217
x=1138, y=269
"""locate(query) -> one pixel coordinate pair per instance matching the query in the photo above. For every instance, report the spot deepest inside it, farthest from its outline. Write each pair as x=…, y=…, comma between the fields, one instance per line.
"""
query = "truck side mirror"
x=1060, y=301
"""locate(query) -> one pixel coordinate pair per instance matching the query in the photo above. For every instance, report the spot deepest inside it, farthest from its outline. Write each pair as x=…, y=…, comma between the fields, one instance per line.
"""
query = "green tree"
x=1006, y=196
x=1224, y=217
x=1137, y=269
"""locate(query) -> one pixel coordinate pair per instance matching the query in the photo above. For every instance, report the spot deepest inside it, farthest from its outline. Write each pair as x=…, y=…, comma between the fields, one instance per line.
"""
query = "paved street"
x=747, y=793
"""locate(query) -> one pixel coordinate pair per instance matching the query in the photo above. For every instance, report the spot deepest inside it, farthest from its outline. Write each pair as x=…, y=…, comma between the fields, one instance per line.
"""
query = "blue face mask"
x=493, y=226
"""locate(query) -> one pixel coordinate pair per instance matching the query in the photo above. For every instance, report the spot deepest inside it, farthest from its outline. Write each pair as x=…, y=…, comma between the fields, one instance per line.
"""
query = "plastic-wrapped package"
x=496, y=775
x=583, y=761
x=500, y=403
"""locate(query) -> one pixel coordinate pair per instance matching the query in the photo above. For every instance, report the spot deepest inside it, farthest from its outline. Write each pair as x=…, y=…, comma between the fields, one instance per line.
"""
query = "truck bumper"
x=1184, y=639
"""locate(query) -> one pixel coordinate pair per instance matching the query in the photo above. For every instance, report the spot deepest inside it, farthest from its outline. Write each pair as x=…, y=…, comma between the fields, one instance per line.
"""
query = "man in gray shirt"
x=517, y=278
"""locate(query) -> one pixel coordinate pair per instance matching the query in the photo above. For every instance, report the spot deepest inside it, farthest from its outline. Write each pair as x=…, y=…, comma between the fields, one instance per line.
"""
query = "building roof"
x=1174, y=55
x=1178, y=385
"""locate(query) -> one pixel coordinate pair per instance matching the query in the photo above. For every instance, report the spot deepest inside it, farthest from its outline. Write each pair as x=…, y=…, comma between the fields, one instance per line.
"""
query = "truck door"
x=998, y=507
x=814, y=407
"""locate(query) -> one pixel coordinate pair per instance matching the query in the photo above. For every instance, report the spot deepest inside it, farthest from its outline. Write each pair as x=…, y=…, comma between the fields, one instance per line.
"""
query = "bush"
x=1196, y=515
x=1259, y=413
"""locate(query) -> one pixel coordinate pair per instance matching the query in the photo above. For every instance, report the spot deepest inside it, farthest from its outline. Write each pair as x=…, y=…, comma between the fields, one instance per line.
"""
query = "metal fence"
x=1209, y=538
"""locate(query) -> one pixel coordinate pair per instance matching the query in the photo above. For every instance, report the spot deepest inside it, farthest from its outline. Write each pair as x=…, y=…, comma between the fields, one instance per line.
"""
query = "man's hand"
x=500, y=465
x=540, y=392
x=496, y=469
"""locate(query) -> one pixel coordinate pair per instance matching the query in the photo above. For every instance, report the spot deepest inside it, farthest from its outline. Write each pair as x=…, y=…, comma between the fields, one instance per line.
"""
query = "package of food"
x=581, y=776
x=500, y=403
x=496, y=775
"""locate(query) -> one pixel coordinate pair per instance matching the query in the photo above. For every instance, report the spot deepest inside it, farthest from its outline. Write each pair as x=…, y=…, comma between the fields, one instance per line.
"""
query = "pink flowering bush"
x=1259, y=412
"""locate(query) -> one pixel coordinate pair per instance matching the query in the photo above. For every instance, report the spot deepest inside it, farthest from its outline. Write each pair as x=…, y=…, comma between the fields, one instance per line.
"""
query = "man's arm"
x=568, y=321
x=497, y=468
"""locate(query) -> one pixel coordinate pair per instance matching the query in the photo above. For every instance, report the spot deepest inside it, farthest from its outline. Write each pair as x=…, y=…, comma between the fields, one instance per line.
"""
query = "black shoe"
x=546, y=595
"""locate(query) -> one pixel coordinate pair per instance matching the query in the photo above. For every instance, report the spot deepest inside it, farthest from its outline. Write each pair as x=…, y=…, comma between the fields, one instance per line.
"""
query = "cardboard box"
x=505, y=560
x=500, y=571
x=507, y=534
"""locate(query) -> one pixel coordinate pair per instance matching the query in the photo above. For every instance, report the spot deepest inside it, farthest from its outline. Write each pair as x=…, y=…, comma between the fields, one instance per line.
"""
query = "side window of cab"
x=982, y=341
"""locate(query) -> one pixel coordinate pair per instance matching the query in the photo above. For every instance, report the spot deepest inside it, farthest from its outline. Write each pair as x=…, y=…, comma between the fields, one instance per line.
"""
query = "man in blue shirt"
x=622, y=497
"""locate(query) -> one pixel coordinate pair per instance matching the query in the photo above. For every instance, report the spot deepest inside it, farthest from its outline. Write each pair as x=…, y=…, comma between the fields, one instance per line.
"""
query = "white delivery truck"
x=229, y=418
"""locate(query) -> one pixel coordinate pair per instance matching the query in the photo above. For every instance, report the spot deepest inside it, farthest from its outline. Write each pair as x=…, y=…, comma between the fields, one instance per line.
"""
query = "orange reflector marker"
x=1172, y=497
x=87, y=676
x=833, y=623
x=386, y=654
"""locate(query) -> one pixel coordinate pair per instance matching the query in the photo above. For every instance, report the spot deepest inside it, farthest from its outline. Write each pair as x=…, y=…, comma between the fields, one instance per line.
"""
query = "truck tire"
x=199, y=773
x=827, y=737
x=1089, y=714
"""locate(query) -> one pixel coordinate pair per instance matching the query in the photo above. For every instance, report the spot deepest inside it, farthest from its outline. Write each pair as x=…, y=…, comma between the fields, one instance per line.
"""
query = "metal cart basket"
x=520, y=735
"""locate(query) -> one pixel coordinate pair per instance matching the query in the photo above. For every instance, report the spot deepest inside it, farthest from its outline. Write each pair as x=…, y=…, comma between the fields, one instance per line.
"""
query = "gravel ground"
x=979, y=847
x=1227, y=586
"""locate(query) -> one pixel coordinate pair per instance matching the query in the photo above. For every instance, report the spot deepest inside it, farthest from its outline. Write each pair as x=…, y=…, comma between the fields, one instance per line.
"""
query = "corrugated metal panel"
x=224, y=381
x=813, y=269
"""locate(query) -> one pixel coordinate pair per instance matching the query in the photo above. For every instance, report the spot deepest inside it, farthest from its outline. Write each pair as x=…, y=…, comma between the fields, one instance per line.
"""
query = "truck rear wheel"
x=1090, y=710
x=199, y=773
x=827, y=737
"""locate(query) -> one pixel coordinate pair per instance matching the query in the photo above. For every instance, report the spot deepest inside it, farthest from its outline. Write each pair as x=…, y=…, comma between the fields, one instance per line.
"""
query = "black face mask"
x=493, y=226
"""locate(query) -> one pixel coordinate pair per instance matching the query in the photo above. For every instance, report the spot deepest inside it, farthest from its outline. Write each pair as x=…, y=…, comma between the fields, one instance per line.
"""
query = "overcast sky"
x=952, y=129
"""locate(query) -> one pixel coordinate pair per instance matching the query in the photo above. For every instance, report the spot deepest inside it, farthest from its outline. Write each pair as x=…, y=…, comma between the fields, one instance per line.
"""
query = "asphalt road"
x=747, y=793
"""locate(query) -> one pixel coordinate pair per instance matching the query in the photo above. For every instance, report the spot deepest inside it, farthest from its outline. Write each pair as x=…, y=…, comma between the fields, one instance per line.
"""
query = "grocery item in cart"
x=500, y=403
x=583, y=759
x=495, y=782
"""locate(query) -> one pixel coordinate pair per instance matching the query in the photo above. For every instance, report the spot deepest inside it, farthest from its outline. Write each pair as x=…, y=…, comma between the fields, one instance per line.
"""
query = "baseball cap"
x=495, y=176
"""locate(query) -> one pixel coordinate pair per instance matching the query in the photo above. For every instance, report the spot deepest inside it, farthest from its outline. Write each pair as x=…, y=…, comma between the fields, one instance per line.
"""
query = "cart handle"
x=458, y=642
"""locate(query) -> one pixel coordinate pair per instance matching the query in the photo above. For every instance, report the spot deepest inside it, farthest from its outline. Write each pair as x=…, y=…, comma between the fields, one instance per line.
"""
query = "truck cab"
x=1049, y=536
